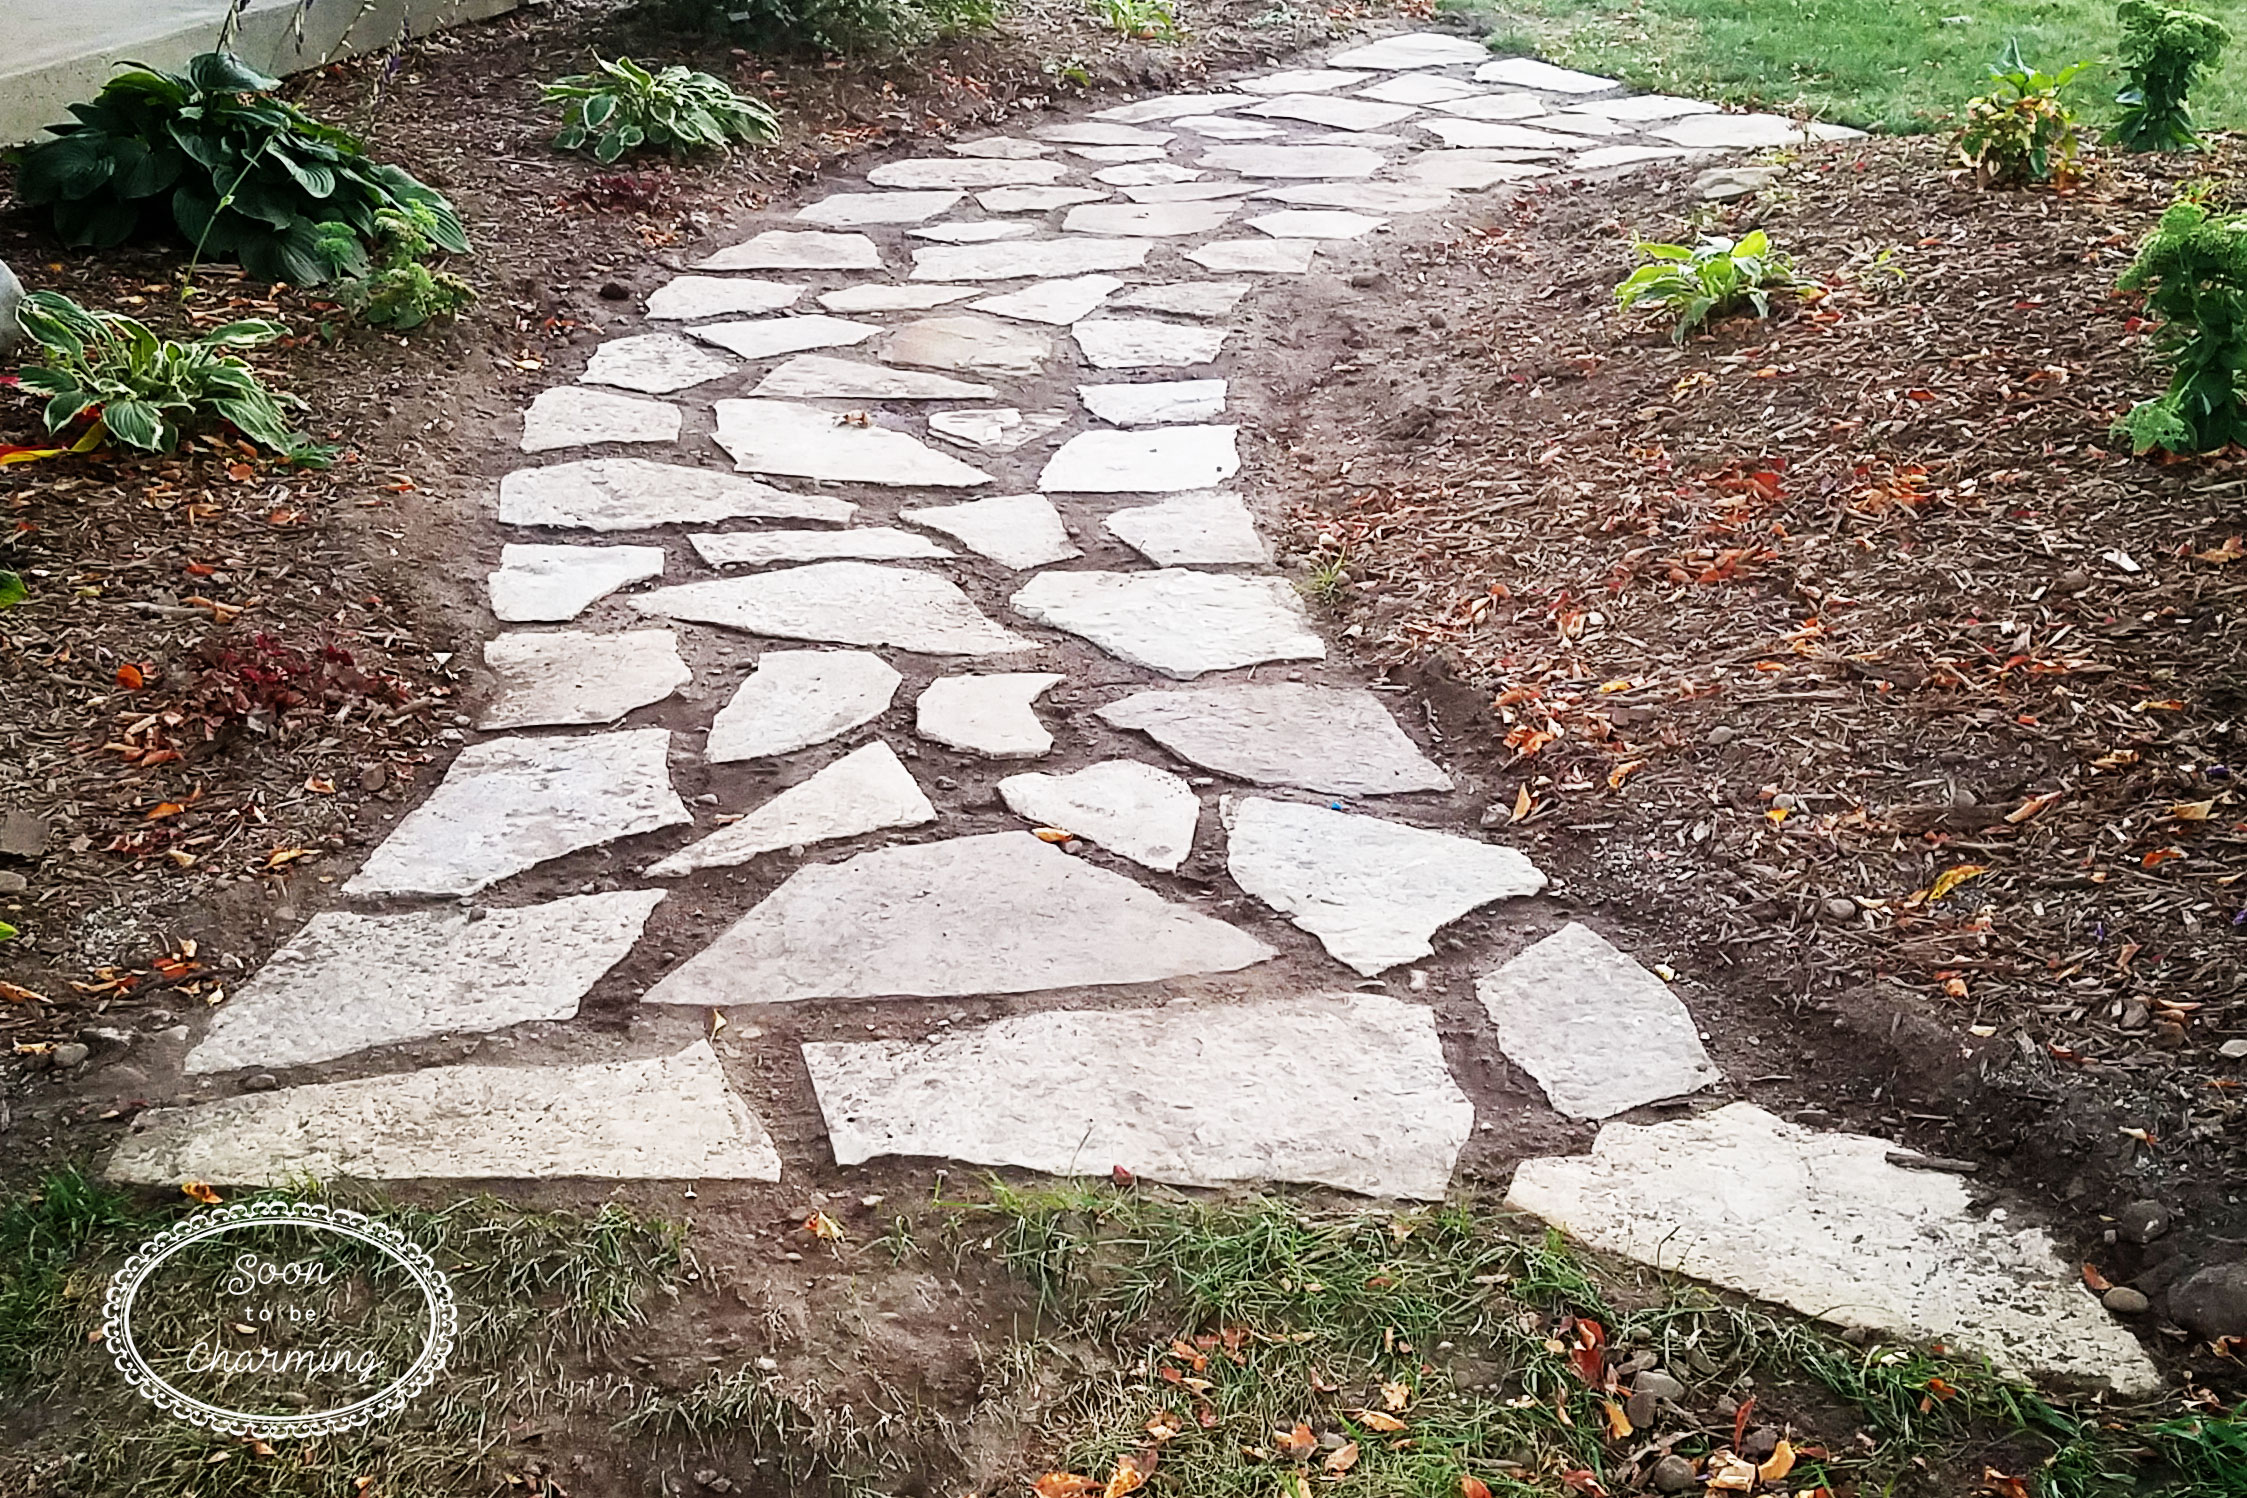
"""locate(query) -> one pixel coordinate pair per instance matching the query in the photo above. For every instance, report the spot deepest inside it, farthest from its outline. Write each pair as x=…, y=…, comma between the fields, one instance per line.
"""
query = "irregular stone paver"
x=1228, y=127
x=567, y=676
x=1195, y=1095
x=969, y=341
x=1469, y=171
x=798, y=249
x=1579, y=124
x=1602, y=157
x=999, y=148
x=1337, y=114
x=873, y=543
x=999, y=429
x=1301, y=81
x=347, y=982
x=1473, y=134
x=1418, y=88
x=506, y=805
x=841, y=603
x=1187, y=298
x=1495, y=107
x=797, y=698
x=773, y=336
x=1264, y=256
x=1145, y=343
x=1373, y=892
x=1188, y=192
x=1735, y=132
x=632, y=494
x=1333, y=739
x=982, y=232
x=1035, y=199
x=1102, y=133
x=854, y=210
x=1156, y=403
x=1161, y=220
x=1149, y=174
x=986, y=715
x=867, y=790
x=1646, y=107
x=997, y=913
x=1823, y=1223
x=824, y=377
x=877, y=298
x=1315, y=223
x=1053, y=302
x=1117, y=154
x=1414, y=49
x=1157, y=462
x=1368, y=197
x=1133, y=810
x=1014, y=530
x=547, y=584
x=1294, y=161
x=666, y=1118
x=572, y=416
x=1528, y=72
x=767, y=436
x=1045, y=258
x=684, y=298
x=1171, y=106
x=653, y=364
x=1192, y=530
x=1601, y=1034
x=969, y=173
x=1177, y=622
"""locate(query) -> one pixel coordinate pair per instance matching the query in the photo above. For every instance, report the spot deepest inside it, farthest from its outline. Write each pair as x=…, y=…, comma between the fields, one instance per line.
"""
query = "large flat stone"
x=784, y=437
x=572, y=416
x=669, y=1118
x=1472, y=171
x=685, y=298
x=867, y=790
x=770, y=337
x=1580, y=124
x=1157, y=462
x=1191, y=530
x=1053, y=302
x=876, y=297
x=1286, y=257
x=1419, y=88
x=1294, y=161
x=633, y=494
x=1372, y=892
x=1133, y=810
x=1101, y=133
x=1607, y=158
x=982, y=231
x=1743, y=132
x=987, y=715
x=1158, y=403
x=1014, y=530
x=1336, y=114
x=797, y=698
x=1316, y=223
x=567, y=676
x=1187, y=298
x=1188, y=191
x=547, y=584
x=1482, y=134
x=1042, y=259
x=971, y=342
x=1412, y=49
x=654, y=364
x=1528, y=72
x=1035, y=199
x=1160, y=220
x=507, y=805
x=1229, y=127
x=1146, y=343
x=1301, y=81
x=1495, y=107
x=1149, y=174
x=997, y=913
x=797, y=249
x=855, y=210
x=966, y=172
x=872, y=543
x=1356, y=1097
x=824, y=377
x=1824, y=1224
x=999, y=429
x=841, y=603
x=1171, y=106
x=1174, y=621
x=1339, y=740
x=1000, y=148
x=1601, y=1034
x=1365, y=197
x=1116, y=154
x=1646, y=107
x=347, y=982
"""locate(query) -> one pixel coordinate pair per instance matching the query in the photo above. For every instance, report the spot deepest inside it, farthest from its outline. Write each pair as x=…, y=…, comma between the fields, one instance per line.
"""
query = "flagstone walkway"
x=1029, y=714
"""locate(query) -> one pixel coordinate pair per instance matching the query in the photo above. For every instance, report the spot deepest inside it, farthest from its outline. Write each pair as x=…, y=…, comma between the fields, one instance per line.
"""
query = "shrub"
x=2193, y=271
x=1143, y=20
x=394, y=288
x=1713, y=278
x=623, y=107
x=2020, y=131
x=147, y=392
x=833, y=27
x=212, y=156
x=2163, y=52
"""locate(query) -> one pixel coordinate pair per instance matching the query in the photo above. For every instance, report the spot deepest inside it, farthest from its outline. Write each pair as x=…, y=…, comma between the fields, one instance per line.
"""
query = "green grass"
x=1889, y=65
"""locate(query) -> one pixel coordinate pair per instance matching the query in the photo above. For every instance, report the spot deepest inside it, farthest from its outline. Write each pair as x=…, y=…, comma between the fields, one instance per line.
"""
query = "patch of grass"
x=1328, y=580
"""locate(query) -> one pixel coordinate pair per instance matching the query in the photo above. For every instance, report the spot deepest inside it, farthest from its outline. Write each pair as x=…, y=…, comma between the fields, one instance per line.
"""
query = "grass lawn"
x=1899, y=66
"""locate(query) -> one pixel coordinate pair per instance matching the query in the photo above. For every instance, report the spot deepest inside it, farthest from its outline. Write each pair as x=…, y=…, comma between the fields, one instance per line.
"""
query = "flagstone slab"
x=855, y=210
x=685, y=298
x=1301, y=81
x=1528, y=72
x=1101, y=133
x=824, y=377
x=991, y=914
x=1133, y=810
x=1186, y=298
x=1373, y=892
x=1338, y=740
x=1158, y=462
x=794, y=699
x=1825, y=1224
x=1228, y=127
x=1740, y=132
x=1418, y=88
x=572, y=416
x=1160, y=220
x=771, y=337
x=1334, y=113
x=1604, y=158
x=1261, y=256
x=1034, y=259
x=1015, y=530
x=1145, y=343
x=1188, y=192
x=785, y=437
x=1579, y=124
x=872, y=543
x=1363, y=197
x=1646, y=107
x=1114, y=155
x=632, y=494
x=999, y=429
x=1036, y=199
x=1495, y=107
x=548, y=584
x=1148, y=174
x=667, y=1118
x=876, y=298
x=1481, y=134
x=1054, y=302
x=506, y=805
x=1600, y=1033
x=867, y=790
x=1472, y=171
x=1174, y=621
x=1171, y=106
x=967, y=173
x=1357, y=1097
x=567, y=676
x=971, y=342
x=1413, y=49
x=988, y=715
x=1315, y=223
x=1294, y=161
x=1155, y=404
x=841, y=603
x=1000, y=148
x=347, y=982
x=654, y=364
x=1191, y=530
x=983, y=231
x=797, y=249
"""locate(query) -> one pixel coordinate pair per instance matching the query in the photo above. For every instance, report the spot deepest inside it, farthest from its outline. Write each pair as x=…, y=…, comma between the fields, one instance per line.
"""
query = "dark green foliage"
x=2164, y=52
x=832, y=28
x=623, y=107
x=394, y=288
x=213, y=158
x=2020, y=131
x=2193, y=271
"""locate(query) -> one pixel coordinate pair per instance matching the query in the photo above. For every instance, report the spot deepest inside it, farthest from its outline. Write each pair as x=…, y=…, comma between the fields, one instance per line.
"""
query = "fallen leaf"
x=319, y=787
x=2160, y=856
x=1740, y=1419
x=2096, y=1281
x=1778, y=1464
x=1375, y=1420
x=2231, y=551
x=1396, y=1396
x=2116, y=760
x=1131, y=1474
x=1342, y=1458
x=131, y=677
x=1584, y=1481
x=1522, y=804
x=821, y=1226
x=1994, y=1481
x=197, y=1191
x=1065, y=1485
x=1296, y=1444
x=283, y=856
x=17, y=994
x=1951, y=878
x=2034, y=806
x=1731, y=1474
x=1121, y=1176
x=1941, y=1389
x=2193, y=811
x=241, y=473
x=1618, y=1423
x=163, y=809
x=1473, y=1487
x=1051, y=834
x=1163, y=1425
x=1623, y=772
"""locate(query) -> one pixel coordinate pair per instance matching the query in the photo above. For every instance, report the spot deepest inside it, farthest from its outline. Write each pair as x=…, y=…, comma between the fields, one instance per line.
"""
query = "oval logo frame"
x=442, y=1326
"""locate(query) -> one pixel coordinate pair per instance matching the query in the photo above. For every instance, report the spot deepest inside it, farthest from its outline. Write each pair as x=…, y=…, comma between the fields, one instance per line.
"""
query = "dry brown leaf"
x=2194, y=811
x=820, y=1225
x=1951, y=878
x=1296, y=1444
x=1375, y=1420
x=1162, y=1425
x=1473, y=1487
x=1131, y=1474
x=1618, y=1423
x=2096, y=1281
x=1396, y=1396
x=1522, y=804
x=197, y=1191
x=1065, y=1485
x=1342, y=1458
x=1051, y=834
x=2034, y=806
x=1778, y=1464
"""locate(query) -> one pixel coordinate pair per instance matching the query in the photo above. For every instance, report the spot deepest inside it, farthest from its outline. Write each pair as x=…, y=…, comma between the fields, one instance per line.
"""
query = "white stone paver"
x=1335, y=113
x=1146, y=343
x=1417, y=49
x=1341, y=740
x=1133, y=810
x=1043, y=258
x=1301, y=81
x=870, y=543
x=971, y=343
x=1229, y=127
x=1294, y=161
x=1191, y=530
x=685, y=298
x=966, y=172
x=825, y=377
x=1315, y=223
x=1483, y=134
x=856, y=210
x=1054, y=302
x=654, y=364
x=797, y=698
x=876, y=297
x=785, y=437
x=548, y=584
x=572, y=416
x=769, y=338
x=797, y=249
x=1015, y=530
x=1155, y=403
x=999, y=429
x=633, y=494
x=841, y=603
x=1160, y=220
x=1186, y=298
x=564, y=676
x=988, y=715
x=983, y=231
x=1101, y=133
x=1171, y=107
x=1528, y=72
x=1150, y=174
x=1154, y=462
x=1000, y=148
x=1365, y=197
x=1188, y=190
x=1646, y=107
x=1113, y=155
x=1603, y=158
x=1035, y=199
x=1579, y=124
x=1472, y=171
x=867, y=790
x=1178, y=622
x=1495, y=107
x=1418, y=88
x=1287, y=257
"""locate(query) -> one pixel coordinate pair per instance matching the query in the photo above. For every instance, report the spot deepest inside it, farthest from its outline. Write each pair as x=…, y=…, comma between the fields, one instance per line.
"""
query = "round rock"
x=2211, y=1304
x=2142, y=1221
x=2124, y=1301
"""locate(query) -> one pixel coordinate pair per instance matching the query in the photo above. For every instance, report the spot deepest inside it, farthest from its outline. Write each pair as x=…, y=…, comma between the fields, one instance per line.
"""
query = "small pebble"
x=1673, y=1474
x=13, y=884
x=1721, y=734
x=615, y=291
x=1639, y=1410
x=264, y=1081
x=2142, y=1221
x=1659, y=1385
x=1760, y=1442
x=2073, y=581
x=2124, y=1301
x=1841, y=908
x=70, y=1053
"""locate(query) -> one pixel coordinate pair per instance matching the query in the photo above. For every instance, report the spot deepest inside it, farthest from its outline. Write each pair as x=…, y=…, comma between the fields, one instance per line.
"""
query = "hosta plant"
x=2163, y=52
x=2020, y=131
x=2193, y=272
x=1711, y=279
x=624, y=107
x=394, y=288
x=146, y=392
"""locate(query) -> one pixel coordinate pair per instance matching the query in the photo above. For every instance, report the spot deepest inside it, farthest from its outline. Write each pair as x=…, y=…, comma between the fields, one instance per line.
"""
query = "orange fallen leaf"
x=1065, y=1485
x=163, y=809
x=1623, y=772
x=2005, y=1486
x=2034, y=806
x=1523, y=805
x=2231, y=551
x=2160, y=856
x=197, y=1191
x=1618, y=1423
x=1342, y=1458
x=282, y=856
x=1051, y=834
x=1584, y=1481
x=1778, y=1464
x=319, y=787
x=823, y=1227
x=241, y=473
x=1131, y=1474
x=1162, y=1425
x=2096, y=1281
x=1941, y=1389
x=131, y=677
x=1473, y=1487
x=1396, y=1396
x=1295, y=1444
x=17, y=994
x=1375, y=1420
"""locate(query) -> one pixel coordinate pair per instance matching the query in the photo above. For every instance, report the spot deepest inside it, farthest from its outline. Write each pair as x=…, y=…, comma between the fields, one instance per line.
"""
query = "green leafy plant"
x=2164, y=52
x=146, y=392
x=213, y=157
x=1712, y=279
x=623, y=107
x=1142, y=20
x=12, y=590
x=2193, y=272
x=394, y=288
x=2020, y=131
